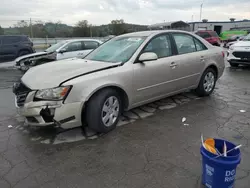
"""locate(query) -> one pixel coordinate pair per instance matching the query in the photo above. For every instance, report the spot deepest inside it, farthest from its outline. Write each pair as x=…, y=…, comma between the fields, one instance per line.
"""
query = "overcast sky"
x=132, y=11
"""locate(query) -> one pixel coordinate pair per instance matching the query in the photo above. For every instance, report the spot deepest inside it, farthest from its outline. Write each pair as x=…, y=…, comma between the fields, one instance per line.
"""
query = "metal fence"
x=47, y=41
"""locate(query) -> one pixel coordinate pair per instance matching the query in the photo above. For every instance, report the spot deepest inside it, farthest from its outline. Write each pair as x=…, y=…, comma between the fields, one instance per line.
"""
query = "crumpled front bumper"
x=47, y=113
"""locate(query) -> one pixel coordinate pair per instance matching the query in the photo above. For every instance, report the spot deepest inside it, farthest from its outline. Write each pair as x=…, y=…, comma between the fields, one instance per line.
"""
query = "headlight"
x=58, y=93
x=231, y=47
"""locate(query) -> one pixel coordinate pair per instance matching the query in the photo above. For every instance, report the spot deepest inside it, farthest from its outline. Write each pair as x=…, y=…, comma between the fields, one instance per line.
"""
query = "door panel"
x=9, y=47
x=73, y=49
x=152, y=79
x=190, y=61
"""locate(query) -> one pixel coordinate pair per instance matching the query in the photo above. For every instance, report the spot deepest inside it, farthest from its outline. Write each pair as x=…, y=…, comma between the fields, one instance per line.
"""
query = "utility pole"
x=31, y=31
x=201, y=11
x=90, y=29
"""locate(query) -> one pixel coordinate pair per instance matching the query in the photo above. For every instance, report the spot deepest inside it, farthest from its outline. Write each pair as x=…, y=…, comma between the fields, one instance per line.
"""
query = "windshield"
x=116, y=50
x=54, y=47
x=247, y=38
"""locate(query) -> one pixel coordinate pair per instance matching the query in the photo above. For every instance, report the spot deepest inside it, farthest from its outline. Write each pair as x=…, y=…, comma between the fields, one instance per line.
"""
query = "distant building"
x=177, y=25
x=220, y=26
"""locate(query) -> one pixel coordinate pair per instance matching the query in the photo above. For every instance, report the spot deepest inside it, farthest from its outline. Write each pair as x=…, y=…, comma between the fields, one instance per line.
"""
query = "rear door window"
x=74, y=46
x=11, y=39
x=89, y=45
x=184, y=43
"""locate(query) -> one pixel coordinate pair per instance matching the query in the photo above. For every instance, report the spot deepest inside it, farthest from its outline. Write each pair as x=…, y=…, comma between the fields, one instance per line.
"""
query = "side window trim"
x=203, y=46
x=97, y=44
x=195, y=45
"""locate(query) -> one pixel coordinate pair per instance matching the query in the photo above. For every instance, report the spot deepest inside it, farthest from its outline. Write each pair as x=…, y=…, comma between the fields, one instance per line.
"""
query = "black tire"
x=23, y=52
x=234, y=64
x=200, y=90
x=94, y=111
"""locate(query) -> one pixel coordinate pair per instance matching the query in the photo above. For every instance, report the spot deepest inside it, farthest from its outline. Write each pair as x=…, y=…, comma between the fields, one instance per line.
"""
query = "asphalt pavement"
x=151, y=147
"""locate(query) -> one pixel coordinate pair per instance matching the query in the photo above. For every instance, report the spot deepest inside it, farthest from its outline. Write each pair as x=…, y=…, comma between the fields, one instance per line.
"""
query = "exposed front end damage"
x=46, y=113
x=25, y=62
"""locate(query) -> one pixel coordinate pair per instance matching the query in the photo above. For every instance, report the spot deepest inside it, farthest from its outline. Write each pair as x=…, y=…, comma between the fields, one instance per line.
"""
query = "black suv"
x=13, y=46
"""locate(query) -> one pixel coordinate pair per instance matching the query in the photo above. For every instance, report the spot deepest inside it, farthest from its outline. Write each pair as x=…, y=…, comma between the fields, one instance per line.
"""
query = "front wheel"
x=103, y=111
x=207, y=83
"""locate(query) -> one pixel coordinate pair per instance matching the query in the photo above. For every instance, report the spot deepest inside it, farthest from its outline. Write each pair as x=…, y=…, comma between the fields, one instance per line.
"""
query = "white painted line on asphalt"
x=168, y=106
x=73, y=135
x=47, y=141
x=36, y=138
x=141, y=113
x=243, y=111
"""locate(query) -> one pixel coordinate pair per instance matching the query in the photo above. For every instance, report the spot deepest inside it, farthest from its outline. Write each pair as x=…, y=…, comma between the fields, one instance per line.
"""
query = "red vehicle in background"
x=210, y=36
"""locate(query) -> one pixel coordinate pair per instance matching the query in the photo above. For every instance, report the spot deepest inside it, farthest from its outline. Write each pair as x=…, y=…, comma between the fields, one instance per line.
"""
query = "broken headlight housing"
x=54, y=94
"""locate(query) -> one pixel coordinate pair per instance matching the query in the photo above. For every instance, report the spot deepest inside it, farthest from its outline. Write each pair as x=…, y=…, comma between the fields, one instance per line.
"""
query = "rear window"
x=11, y=39
x=26, y=39
x=203, y=34
x=214, y=34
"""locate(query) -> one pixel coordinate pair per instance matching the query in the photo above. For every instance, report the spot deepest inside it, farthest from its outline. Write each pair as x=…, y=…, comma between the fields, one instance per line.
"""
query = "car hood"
x=37, y=54
x=52, y=74
x=242, y=44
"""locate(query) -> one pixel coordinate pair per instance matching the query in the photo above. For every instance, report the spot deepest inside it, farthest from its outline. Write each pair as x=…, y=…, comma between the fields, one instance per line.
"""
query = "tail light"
x=223, y=54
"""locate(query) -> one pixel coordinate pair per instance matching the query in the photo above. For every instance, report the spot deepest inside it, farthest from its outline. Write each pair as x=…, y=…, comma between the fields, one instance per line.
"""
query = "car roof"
x=14, y=36
x=203, y=31
x=72, y=40
x=149, y=33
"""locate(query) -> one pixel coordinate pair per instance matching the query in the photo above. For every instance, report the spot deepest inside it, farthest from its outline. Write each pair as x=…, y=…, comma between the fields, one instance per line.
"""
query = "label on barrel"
x=209, y=170
x=209, y=176
x=230, y=175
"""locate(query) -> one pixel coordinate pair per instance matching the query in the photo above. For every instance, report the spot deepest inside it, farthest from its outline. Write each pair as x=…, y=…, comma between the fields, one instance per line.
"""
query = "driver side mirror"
x=62, y=51
x=148, y=56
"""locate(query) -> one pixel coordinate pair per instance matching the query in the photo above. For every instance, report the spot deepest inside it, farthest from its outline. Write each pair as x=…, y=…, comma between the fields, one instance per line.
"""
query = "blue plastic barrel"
x=219, y=172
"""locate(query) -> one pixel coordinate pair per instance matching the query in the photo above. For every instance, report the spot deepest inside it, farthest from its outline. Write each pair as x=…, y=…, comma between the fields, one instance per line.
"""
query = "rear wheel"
x=103, y=111
x=234, y=64
x=207, y=82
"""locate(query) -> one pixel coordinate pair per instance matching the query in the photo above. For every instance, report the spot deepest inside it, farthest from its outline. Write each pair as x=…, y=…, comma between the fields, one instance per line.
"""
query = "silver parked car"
x=127, y=71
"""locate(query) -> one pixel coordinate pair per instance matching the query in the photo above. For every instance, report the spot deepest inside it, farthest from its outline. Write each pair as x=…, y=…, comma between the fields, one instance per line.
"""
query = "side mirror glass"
x=63, y=50
x=148, y=56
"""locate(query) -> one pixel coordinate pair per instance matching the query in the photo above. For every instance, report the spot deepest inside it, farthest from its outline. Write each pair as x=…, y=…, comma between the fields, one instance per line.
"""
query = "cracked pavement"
x=150, y=148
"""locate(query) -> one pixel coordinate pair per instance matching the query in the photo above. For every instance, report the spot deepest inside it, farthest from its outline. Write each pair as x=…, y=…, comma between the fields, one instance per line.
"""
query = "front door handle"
x=173, y=65
x=202, y=59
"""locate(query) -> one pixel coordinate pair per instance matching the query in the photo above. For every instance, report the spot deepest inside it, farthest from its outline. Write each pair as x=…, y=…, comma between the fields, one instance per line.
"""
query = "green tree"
x=23, y=27
x=1, y=31
x=82, y=29
x=118, y=27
